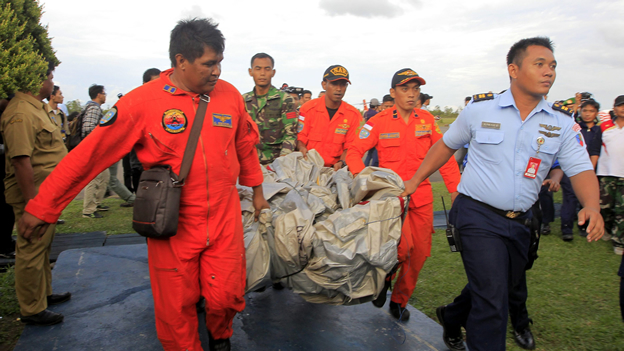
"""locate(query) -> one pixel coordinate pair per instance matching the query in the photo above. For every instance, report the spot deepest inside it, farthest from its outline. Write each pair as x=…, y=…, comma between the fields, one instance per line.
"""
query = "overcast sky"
x=459, y=47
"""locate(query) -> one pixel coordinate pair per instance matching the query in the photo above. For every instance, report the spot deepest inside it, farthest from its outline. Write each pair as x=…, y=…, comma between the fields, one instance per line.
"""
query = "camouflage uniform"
x=612, y=205
x=276, y=117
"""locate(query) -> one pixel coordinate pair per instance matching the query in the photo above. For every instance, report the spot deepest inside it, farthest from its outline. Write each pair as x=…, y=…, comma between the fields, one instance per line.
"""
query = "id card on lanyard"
x=534, y=162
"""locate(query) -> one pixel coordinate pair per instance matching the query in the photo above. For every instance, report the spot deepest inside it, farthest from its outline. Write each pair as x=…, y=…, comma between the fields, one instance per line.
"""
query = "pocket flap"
x=489, y=136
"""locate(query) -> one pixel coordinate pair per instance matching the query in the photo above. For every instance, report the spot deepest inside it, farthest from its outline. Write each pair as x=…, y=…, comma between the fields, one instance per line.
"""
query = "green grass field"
x=573, y=287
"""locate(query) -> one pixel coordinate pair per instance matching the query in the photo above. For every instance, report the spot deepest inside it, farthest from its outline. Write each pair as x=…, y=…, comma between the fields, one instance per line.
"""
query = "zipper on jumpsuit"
x=201, y=141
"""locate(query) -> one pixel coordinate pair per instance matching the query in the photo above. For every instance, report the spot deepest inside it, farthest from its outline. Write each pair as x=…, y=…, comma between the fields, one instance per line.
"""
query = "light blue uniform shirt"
x=501, y=147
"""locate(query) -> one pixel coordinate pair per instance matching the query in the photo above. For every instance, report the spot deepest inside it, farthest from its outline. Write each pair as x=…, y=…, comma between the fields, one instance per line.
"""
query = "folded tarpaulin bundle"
x=329, y=237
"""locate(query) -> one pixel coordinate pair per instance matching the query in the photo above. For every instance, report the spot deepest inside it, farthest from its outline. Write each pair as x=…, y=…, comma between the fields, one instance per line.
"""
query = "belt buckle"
x=512, y=214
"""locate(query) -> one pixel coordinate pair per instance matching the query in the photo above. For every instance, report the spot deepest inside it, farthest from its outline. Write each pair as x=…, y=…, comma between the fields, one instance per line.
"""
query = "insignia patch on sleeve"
x=300, y=127
x=301, y=118
x=291, y=115
x=109, y=118
x=220, y=120
x=364, y=133
x=174, y=121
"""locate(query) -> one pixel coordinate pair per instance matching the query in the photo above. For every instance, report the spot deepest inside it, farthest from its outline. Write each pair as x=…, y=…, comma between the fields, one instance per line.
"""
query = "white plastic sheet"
x=329, y=237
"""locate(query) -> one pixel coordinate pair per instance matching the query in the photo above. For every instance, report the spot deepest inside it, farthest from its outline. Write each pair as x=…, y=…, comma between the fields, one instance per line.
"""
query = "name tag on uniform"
x=532, y=168
x=219, y=120
x=490, y=125
x=341, y=131
x=389, y=135
x=422, y=129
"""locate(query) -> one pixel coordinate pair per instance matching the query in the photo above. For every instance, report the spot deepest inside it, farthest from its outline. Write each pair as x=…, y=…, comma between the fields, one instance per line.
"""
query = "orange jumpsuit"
x=329, y=137
x=207, y=256
x=402, y=148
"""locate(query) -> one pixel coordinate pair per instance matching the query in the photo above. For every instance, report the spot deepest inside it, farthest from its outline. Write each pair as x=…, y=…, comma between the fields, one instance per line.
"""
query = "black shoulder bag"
x=157, y=204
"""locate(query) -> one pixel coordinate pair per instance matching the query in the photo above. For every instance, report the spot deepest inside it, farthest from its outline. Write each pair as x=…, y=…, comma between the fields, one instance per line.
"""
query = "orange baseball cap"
x=405, y=75
x=336, y=72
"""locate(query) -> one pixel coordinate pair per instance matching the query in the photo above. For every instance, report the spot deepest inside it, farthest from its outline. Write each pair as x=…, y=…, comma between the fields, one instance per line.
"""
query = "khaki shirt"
x=28, y=130
x=59, y=118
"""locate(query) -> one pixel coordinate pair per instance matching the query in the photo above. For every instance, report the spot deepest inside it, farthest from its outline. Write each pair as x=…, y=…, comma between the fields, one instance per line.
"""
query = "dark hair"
x=147, y=76
x=591, y=102
x=51, y=67
x=56, y=88
x=306, y=92
x=189, y=37
x=387, y=98
x=94, y=90
x=262, y=55
x=72, y=116
x=517, y=52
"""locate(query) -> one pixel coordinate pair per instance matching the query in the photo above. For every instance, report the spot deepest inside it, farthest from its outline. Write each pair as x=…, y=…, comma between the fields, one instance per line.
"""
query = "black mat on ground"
x=112, y=309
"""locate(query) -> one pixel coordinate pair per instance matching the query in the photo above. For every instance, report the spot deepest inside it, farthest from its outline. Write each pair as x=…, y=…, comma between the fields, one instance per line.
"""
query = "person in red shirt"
x=206, y=257
x=402, y=136
x=328, y=124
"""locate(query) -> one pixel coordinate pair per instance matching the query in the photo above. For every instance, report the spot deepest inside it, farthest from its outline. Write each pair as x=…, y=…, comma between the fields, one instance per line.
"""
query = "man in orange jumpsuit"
x=206, y=257
x=328, y=124
x=402, y=136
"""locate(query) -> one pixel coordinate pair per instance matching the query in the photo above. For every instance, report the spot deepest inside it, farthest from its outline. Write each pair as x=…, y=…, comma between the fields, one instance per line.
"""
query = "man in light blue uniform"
x=514, y=138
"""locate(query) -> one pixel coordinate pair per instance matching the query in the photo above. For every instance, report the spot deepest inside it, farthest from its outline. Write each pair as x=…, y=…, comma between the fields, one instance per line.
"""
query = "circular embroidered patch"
x=109, y=118
x=174, y=121
x=364, y=133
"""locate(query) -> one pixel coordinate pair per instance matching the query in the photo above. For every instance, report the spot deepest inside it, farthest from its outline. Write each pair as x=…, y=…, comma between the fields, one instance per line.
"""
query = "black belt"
x=515, y=215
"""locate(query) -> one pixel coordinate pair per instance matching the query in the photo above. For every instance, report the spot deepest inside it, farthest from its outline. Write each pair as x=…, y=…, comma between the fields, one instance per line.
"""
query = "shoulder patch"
x=109, y=118
x=559, y=107
x=482, y=97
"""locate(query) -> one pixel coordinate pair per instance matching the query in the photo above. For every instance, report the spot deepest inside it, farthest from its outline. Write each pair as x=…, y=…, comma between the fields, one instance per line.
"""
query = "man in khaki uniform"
x=33, y=148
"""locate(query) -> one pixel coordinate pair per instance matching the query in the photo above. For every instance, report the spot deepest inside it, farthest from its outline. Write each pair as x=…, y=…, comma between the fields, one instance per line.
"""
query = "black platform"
x=112, y=309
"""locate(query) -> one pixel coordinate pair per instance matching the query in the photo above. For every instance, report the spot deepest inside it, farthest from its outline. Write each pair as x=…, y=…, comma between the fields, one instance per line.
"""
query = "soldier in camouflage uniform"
x=273, y=111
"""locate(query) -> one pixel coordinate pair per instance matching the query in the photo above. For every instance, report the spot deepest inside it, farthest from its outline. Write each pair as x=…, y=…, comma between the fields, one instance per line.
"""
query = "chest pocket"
x=272, y=115
x=389, y=149
x=45, y=138
x=486, y=148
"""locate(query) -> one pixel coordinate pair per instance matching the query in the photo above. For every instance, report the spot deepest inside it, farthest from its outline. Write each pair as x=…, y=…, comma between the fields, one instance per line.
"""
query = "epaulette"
x=559, y=107
x=482, y=97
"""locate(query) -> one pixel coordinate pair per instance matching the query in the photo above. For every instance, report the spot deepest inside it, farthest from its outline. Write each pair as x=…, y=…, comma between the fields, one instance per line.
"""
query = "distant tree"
x=25, y=48
x=447, y=112
x=73, y=106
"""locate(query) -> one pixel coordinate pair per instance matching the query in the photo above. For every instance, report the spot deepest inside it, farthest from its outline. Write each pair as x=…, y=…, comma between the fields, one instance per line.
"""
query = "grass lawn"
x=573, y=290
x=573, y=287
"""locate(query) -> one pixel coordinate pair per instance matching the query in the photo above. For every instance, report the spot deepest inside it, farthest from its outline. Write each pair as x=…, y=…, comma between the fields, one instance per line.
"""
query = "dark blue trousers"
x=495, y=256
x=372, y=158
x=547, y=205
x=569, y=205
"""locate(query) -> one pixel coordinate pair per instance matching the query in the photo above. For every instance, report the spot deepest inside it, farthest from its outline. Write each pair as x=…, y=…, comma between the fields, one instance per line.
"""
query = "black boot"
x=381, y=299
x=45, y=317
x=219, y=344
x=398, y=312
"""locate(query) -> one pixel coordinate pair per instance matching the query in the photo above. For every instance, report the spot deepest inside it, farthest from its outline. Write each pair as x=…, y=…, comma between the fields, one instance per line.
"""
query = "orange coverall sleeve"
x=358, y=148
x=107, y=144
x=352, y=134
x=247, y=136
x=449, y=171
x=305, y=119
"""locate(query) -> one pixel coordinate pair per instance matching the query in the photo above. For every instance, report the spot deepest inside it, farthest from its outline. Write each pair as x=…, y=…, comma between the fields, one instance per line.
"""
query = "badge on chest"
x=174, y=121
x=221, y=120
x=422, y=130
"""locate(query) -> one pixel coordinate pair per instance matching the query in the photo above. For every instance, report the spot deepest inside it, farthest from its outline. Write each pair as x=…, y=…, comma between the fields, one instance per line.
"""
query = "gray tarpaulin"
x=329, y=237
